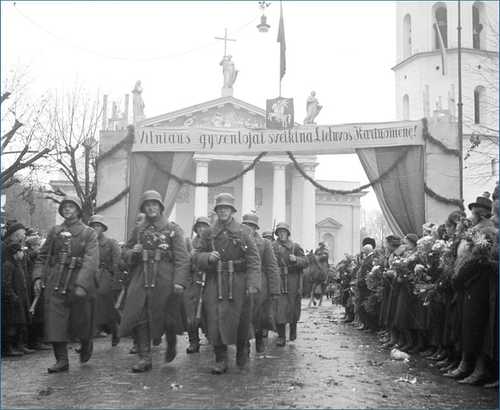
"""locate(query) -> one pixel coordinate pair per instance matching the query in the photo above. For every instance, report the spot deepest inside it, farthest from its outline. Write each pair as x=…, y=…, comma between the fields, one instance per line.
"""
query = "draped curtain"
x=146, y=172
x=401, y=193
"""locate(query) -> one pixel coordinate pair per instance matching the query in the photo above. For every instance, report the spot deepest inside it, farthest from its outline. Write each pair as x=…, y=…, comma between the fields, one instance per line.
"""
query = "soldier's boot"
x=171, y=352
x=260, y=346
x=61, y=355
x=242, y=354
x=115, y=338
x=194, y=341
x=479, y=375
x=86, y=349
x=281, y=335
x=463, y=369
x=220, y=366
x=143, y=342
x=293, y=331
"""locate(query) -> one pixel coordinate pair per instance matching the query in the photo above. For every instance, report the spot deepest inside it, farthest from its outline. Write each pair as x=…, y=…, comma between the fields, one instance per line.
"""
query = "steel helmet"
x=98, y=219
x=224, y=199
x=250, y=219
x=282, y=225
x=200, y=220
x=73, y=200
x=267, y=235
x=151, y=195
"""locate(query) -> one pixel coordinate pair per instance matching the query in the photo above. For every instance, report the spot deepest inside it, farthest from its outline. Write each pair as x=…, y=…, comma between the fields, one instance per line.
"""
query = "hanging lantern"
x=263, y=26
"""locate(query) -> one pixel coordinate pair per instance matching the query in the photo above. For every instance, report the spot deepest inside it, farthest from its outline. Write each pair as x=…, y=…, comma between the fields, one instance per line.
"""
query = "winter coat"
x=234, y=242
x=264, y=311
x=67, y=316
x=107, y=279
x=289, y=304
x=156, y=305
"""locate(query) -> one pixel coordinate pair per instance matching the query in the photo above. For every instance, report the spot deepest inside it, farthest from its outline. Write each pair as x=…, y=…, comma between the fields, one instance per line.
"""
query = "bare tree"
x=26, y=142
x=74, y=120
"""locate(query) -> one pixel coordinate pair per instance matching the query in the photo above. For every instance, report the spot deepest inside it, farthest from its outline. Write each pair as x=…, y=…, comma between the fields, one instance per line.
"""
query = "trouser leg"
x=61, y=355
x=143, y=341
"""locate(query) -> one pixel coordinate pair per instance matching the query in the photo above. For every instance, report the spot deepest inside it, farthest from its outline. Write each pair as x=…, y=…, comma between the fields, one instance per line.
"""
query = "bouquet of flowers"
x=153, y=239
x=374, y=278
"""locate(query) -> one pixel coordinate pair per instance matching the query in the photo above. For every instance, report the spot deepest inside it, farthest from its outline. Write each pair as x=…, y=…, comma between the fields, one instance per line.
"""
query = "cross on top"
x=226, y=39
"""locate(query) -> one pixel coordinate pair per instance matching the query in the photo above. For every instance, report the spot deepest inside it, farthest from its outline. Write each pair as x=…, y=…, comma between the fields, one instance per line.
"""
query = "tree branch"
x=7, y=137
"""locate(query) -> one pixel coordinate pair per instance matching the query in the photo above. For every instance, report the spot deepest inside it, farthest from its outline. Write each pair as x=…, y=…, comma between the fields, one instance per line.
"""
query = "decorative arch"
x=479, y=104
x=440, y=17
x=478, y=25
x=407, y=36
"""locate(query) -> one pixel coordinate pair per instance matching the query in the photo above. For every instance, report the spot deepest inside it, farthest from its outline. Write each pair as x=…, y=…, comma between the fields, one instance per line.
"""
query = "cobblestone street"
x=330, y=365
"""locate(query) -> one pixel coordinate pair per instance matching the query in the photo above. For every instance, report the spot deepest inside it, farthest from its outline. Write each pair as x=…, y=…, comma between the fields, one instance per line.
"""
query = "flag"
x=281, y=40
x=442, y=48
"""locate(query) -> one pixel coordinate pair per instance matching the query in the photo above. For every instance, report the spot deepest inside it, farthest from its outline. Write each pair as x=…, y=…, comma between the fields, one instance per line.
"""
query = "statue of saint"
x=312, y=108
x=229, y=71
x=137, y=102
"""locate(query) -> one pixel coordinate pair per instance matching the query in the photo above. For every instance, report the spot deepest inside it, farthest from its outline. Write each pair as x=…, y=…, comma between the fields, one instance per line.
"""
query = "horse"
x=318, y=274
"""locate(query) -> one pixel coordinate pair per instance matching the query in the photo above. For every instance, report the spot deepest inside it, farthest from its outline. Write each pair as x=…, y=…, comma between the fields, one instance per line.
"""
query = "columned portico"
x=279, y=192
x=201, y=193
x=248, y=190
x=309, y=209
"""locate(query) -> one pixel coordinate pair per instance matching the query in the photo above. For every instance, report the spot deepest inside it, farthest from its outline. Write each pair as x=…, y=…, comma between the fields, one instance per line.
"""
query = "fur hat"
x=393, y=240
x=16, y=226
x=369, y=241
x=482, y=201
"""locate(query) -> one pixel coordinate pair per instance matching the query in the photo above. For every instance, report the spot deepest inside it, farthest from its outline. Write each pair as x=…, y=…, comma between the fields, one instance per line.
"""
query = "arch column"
x=309, y=209
x=248, y=190
x=201, y=193
x=279, y=192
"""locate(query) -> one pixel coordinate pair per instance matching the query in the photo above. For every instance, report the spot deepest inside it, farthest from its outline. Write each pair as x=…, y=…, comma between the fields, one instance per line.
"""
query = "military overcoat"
x=68, y=316
x=289, y=304
x=234, y=242
x=158, y=305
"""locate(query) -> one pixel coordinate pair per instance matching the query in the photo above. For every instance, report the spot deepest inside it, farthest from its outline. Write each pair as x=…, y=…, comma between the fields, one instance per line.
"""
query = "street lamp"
x=263, y=27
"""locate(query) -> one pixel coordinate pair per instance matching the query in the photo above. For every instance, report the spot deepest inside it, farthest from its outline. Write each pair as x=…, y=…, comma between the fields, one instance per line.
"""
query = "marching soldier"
x=65, y=269
x=264, y=302
x=230, y=257
x=194, y=293
x=107, y=277
x=159, y=268
x=292, y=261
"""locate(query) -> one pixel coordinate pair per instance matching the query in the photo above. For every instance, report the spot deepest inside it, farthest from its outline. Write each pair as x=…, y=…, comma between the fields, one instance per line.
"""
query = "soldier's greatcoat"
x=107, y=278
x=264, y=312
x=67, y=316
x=289, y=304
x=234, y=242
x=173, y=268
x=192, y=292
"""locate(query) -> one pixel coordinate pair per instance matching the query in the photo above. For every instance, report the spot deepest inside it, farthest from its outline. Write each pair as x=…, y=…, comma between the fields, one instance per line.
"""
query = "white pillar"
x=201, y=193
x=309, y=210
x=248, y=190
x=279, y=192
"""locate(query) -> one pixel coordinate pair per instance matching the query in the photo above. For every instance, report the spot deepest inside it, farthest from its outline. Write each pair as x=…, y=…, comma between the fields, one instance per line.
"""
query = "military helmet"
x=224, y=199
x=73, y=200
x=250, y=219
x=98, y=219
x=267, y=235
x=200, y=220
x=282, y=225
x=151, y=195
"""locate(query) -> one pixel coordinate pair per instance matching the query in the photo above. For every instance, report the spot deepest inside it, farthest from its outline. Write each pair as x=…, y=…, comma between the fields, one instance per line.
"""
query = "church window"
x=407, y=36
x=441, y=19
x=477, y=25
x=479, y=102
x=406, y=107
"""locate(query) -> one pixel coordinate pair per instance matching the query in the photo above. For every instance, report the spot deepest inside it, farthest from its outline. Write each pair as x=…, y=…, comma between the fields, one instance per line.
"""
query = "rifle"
x=202, y=284
x=274, y=227
x=120, y=298
x=230, y=270
x=33, y=305
x=219, y=273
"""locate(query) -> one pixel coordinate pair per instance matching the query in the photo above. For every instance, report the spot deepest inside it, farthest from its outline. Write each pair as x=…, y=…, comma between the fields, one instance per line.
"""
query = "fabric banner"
x=146, y=173
x=307, y=139
x=401, y=193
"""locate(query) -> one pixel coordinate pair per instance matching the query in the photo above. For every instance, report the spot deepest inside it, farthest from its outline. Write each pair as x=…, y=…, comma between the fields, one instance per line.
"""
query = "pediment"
x=225, y=112
x=329, y=223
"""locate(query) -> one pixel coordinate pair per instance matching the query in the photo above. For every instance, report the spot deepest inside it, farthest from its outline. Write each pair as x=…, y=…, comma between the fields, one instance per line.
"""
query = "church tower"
x=426, y=80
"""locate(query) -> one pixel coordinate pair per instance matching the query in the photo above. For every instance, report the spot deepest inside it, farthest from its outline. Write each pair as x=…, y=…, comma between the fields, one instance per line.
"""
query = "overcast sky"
x=342, y=50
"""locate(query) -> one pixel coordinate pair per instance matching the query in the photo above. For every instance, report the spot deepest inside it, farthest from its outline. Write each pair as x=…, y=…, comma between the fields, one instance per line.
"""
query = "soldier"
x=159, y=268
x=230, y=257
x=292, y=261
x=265, y=301
x=107, y=275
x=268, y=235
x=194, y=291
x=65, y=268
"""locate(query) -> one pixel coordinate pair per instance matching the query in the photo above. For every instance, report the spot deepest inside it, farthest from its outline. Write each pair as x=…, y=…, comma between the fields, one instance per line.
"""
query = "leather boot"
x=144, y=351
x=61, y=355
x=115, y=339
x=220, y=366
x=194, y=341
x=281, y=335
x=293, y=331
x=171, y=352
x=259, y=342
x=463, y=370
x=242, y=354
x=479, y=375
x=86, y=349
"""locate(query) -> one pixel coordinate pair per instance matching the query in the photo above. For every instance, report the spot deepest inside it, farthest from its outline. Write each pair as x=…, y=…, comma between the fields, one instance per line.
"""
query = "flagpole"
x=460, y=105
x=281, y=17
